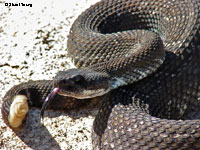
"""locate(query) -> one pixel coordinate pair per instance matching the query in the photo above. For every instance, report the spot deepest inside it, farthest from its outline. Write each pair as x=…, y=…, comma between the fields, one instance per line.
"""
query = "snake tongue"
x=47, y=100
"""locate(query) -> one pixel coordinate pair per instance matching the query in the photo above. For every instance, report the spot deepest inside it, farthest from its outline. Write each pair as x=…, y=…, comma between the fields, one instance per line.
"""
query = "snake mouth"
x=84, y=93
x=47, y=100
x=79, y=95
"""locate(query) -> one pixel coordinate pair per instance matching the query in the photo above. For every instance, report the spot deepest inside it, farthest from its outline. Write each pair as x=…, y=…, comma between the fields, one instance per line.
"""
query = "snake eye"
x=78, y=78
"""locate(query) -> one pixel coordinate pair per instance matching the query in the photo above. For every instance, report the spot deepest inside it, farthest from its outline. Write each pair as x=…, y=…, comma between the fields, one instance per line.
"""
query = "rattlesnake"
x=141, y=59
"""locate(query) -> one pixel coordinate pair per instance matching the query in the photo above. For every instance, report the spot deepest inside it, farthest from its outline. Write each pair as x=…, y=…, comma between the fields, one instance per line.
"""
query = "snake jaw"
x=47, y=100
x=85, y=94
x=18, y=110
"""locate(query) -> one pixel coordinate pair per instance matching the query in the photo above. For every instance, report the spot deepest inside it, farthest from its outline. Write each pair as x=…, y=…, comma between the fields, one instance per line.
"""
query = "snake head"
x=82, y=83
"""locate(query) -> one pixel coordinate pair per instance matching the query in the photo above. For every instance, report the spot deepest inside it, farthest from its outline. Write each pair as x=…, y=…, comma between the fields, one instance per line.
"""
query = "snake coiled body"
x=148, y=103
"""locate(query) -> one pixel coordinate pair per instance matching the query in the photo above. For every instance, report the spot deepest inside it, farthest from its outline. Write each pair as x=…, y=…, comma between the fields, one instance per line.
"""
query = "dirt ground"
x=33, y=47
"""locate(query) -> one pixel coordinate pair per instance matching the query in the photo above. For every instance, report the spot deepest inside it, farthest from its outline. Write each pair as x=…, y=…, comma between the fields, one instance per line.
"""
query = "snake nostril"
x=62, y=82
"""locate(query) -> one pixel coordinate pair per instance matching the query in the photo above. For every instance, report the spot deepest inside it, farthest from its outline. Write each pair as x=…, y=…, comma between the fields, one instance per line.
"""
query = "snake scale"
x=141, y=60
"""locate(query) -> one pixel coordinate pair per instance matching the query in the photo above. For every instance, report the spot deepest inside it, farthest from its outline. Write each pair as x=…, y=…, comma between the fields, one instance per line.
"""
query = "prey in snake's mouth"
x=80, y=84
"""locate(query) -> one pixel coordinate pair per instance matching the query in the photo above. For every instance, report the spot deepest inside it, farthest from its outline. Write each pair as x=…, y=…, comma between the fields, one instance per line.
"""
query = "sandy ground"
x=32, y=47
